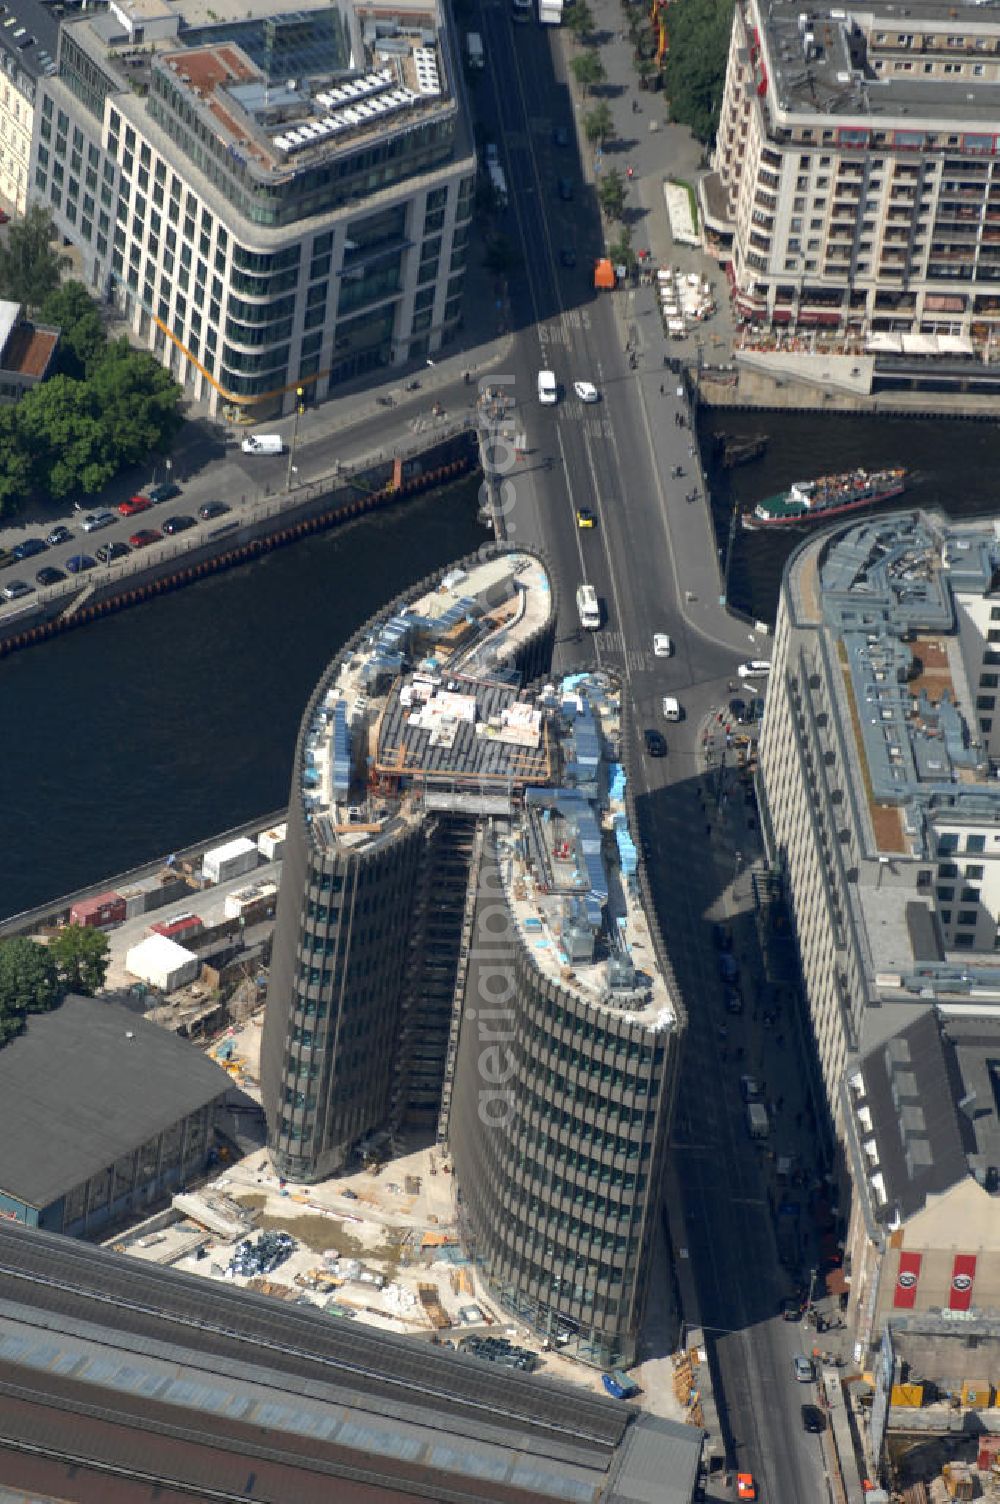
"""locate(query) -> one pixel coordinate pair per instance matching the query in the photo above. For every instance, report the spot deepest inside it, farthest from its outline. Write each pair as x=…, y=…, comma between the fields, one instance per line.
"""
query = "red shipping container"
x=175, y=929
x=106, y=908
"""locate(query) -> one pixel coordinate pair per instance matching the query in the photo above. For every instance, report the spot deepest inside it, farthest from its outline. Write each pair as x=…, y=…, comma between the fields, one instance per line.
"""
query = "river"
x=152, y=729
x=953, y=468
x=177, y=719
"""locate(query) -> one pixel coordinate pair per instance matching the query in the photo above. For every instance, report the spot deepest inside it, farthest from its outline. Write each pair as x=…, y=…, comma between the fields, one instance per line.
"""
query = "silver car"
x=804, y=1371
x=95, y=520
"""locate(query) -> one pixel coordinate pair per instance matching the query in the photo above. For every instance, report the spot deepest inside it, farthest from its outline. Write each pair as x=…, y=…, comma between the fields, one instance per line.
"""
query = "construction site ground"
x=379, y=1245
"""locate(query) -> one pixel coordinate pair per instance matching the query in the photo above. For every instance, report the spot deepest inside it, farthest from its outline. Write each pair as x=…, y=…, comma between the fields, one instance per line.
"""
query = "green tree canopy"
x=695, y=68
x=580, y=20
x=81, y=956
x=16, y=475
x=598, y=123
x=588, y=70
x=611, y=194
x=83, y=339
x=29, y=983
x=30, y=264
x=621, y=251
x=136, y=399
x=70, y=444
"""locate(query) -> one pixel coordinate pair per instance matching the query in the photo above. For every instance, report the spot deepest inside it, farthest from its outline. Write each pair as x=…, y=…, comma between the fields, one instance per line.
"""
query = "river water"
x=145, y=732
x=954, y=467
x=150, y=730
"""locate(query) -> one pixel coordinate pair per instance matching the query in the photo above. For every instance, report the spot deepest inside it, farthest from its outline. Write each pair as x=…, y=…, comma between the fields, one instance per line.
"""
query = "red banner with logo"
x=963, y=1275
x=906, y=1281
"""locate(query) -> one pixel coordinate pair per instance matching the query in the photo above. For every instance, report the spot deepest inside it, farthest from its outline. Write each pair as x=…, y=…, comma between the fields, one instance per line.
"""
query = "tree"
x=580, y=20
x=81, y=956
x=621, y=252
x=68, y=440
x=695, y=66
x=83, y=339
x=30, y=266
x=15, y=465
x=611, y=194
x=136, y=400
x=598, y=123
x=588, y=70
x=29, y=983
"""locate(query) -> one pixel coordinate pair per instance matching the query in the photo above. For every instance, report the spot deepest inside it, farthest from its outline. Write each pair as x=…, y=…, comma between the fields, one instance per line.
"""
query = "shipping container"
x=181, y=925
x=92, y=913
x=230, y=860
x=271, y=843
x=253, y=903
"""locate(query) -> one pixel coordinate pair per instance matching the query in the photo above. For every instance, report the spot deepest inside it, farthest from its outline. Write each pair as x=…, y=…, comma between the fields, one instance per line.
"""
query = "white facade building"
x=858, y=169
x=29, y=40
x=279, y=200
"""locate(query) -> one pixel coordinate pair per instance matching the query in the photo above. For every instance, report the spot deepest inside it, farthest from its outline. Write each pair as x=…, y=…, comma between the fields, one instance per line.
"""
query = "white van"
x=474, y=50
x=589, y=608
x=262, y=443
x=758, y=1123
x=671, y=708
x=548, y=389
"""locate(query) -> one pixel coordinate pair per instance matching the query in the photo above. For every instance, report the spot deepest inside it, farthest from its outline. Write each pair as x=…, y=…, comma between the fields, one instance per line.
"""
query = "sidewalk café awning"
x=837, y=1282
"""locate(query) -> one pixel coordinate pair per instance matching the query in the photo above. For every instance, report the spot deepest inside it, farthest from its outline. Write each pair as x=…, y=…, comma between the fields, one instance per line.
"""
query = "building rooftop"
x=867, y=67
x=428, y=712
x=85, y=1085
x=29, y=36
x=280, y=90
x=898, y=603
x=923, y=1111
x=203, y=1386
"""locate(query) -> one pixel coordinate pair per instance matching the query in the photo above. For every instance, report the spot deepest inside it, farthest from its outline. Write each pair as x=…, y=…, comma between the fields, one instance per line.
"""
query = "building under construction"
x=440, y=782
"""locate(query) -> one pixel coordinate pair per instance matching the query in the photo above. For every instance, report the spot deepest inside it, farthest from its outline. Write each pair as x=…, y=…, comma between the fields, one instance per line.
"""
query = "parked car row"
x=108, y=553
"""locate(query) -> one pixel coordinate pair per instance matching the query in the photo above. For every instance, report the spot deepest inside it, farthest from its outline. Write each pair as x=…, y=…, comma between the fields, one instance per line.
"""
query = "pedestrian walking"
x=661, y=388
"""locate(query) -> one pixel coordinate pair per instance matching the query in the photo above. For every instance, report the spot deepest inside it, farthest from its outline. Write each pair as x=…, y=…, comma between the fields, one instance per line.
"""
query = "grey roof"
x=972, y=1047
x=86, y=1084
x=910, y=1094
x=249, y=1384
x=29, y=33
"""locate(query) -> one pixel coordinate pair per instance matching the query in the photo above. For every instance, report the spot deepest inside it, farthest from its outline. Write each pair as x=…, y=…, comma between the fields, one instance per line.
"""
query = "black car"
x=58, y=535
x=165, y=492
x=15, y=589
x=109, y=552
x=655, y=744
x=49, y=576
x=791, y=1308
x=178, y=525
x=560, y=136
x=212, y=509
x=567, y=256
x=813, y=1419
x=564, y=188
x=29, y=548
x=738, y=710
x=734, y=1000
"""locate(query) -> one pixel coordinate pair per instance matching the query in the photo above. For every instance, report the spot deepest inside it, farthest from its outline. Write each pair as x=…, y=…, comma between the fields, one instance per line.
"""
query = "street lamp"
x=300, y=402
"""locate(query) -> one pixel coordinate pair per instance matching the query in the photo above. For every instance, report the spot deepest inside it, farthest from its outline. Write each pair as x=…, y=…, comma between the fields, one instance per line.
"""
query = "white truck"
x=474, y=51
x=589, y=608
x=758, y=1122
x=550, y=12
x=498, y=182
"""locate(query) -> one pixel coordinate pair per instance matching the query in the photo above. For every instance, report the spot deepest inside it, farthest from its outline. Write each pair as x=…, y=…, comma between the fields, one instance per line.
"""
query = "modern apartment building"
x=858, y=160
x=879, y=759
x=462, y=941
x=275, y=198
x=29, y=40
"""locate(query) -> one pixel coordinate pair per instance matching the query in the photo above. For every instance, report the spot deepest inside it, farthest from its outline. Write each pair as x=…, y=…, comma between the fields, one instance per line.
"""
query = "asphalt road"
x=615, y=458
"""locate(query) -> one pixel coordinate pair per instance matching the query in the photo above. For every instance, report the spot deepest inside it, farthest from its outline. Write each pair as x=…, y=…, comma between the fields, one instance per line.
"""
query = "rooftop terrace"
x=828, y=60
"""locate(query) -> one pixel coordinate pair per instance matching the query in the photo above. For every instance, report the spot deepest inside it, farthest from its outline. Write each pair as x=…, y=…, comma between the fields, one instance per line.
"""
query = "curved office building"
x=419, y=726
x=566, y=1056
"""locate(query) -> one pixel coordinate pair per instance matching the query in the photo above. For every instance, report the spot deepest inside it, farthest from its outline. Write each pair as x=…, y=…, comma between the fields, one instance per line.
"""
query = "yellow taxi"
x=584, y=518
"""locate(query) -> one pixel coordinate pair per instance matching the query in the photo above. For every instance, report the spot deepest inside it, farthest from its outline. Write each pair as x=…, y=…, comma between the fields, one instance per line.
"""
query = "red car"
x=144, y=537
x=134, y=505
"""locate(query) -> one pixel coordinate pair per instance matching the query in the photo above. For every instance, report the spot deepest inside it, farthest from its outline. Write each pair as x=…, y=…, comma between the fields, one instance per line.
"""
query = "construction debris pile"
x=267, y=1254
x=686, y=1385
x=499, y=1350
